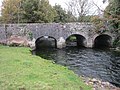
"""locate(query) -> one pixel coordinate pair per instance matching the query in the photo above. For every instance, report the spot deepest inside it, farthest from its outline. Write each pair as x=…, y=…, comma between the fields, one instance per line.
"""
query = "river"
x=93, y=63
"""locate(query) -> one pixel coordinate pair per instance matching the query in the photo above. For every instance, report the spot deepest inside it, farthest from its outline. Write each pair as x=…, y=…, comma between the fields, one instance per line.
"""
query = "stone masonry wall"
x=55, y=30
x=2, y=33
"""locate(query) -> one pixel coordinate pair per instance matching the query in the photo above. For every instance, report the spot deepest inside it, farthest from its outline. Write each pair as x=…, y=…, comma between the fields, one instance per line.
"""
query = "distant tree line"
x=40, y=11
x=33, y=11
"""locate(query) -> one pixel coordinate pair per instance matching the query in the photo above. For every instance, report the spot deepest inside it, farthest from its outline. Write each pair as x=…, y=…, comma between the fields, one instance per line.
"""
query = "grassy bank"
x=19, y=70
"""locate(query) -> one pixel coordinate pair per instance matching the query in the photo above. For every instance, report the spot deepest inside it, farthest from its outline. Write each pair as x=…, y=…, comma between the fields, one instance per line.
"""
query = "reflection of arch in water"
x=103, y=41
x=46, y=41
x=76, y=40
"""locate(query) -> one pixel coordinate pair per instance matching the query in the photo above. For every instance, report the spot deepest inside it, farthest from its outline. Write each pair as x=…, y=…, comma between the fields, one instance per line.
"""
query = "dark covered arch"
x=76, y=40
x=103, y=41
x=46, y=42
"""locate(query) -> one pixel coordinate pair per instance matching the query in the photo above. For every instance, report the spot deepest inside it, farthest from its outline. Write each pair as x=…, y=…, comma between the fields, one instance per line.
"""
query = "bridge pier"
x=89, y=43
x=61, y=43
x=32, y=44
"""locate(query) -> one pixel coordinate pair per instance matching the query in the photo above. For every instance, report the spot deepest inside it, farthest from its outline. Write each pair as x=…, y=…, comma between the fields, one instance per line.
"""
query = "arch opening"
x=46, y=42
x=103, y=41
x=76, y=40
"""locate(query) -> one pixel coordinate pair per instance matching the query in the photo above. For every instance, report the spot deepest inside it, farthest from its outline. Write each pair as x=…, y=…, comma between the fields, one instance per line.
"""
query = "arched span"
x=45, y=41
x=103, y=41
x=76, y=40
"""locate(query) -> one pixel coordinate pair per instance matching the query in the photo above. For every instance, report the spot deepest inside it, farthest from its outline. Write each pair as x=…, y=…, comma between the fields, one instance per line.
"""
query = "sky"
x=63, y=3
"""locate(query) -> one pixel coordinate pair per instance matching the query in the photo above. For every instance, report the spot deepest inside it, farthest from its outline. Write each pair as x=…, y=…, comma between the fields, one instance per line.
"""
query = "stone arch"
x=44, y=42
x=102, y=41
x=80, y=40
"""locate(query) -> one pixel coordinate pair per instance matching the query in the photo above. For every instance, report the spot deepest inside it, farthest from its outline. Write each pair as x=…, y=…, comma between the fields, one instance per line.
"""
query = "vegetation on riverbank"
x=19, y=70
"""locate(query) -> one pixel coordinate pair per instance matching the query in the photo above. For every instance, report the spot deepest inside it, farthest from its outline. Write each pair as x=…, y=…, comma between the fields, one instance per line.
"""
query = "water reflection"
x=87, y=62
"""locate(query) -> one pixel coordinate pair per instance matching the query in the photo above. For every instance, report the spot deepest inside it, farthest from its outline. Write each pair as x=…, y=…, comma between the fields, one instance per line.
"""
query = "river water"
x=93, y=63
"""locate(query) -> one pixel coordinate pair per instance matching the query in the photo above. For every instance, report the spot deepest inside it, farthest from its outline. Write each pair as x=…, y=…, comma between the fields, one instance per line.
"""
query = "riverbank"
x=19, y=70
x=99, y=84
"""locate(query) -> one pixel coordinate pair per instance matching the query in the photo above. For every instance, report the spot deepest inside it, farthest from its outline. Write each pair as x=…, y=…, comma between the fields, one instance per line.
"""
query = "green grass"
x=19, y=70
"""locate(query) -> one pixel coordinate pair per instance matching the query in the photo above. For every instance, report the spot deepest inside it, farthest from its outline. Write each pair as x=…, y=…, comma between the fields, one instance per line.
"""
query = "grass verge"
x=19, y=70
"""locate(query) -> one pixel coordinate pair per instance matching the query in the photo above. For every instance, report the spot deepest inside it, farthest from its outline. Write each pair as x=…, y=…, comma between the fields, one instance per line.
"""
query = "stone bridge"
x=85, y=33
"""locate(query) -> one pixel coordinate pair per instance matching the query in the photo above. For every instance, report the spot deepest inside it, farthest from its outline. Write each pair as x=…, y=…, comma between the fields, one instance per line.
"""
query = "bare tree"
x=79, y=8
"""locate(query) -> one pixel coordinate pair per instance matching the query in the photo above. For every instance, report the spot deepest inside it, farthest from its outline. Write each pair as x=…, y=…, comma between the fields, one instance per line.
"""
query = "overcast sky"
x=63, y=3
